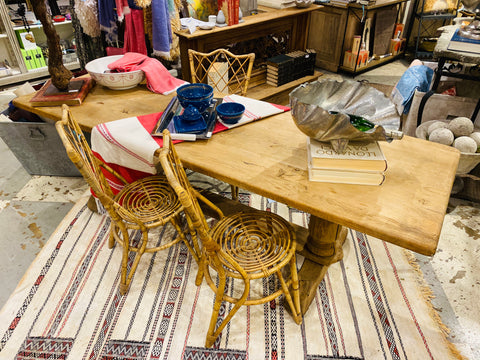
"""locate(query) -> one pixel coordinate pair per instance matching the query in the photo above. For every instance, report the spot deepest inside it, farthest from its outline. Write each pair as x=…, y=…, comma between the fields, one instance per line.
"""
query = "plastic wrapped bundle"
x=323, y=110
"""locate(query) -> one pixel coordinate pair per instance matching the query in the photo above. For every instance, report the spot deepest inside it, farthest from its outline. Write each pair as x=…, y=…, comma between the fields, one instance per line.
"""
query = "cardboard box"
x=29, y=60
x=39, y=59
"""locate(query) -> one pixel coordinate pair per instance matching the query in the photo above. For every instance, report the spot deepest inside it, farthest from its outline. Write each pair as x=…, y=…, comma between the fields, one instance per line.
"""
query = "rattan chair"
x=247, y=246
x=226, y=72
x=139, y=206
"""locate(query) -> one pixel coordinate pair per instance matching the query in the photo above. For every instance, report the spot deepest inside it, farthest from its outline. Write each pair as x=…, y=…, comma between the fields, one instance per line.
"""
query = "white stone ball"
x=442, y=136
x=476, y=136
x=461, y=126
x=465, y=144
x=436, y=125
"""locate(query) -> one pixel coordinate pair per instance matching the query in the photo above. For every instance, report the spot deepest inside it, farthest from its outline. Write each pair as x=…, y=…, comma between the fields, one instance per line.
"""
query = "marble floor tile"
x=26, y=226
x=52, y=188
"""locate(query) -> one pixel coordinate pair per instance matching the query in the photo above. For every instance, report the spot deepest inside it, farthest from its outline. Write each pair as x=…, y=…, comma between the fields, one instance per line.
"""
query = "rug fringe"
x=428, y=295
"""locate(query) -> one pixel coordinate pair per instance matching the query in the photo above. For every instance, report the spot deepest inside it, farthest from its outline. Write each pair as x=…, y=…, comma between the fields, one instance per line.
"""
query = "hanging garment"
x=87, y=14
x=159, y=79
x=161, y=29
x=134, y=38
x=108, y=20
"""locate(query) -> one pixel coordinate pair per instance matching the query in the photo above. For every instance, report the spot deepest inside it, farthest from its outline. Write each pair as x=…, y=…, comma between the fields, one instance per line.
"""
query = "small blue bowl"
x=197, y=95
x=230, y=112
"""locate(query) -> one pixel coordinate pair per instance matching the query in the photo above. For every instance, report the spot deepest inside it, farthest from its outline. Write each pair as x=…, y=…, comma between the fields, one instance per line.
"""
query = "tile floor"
x=32, y=206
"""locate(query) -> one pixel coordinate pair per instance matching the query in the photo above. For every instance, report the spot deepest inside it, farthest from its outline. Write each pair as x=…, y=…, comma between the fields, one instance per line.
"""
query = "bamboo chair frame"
x=204, y=69
x=141, y=205
x=246, y=246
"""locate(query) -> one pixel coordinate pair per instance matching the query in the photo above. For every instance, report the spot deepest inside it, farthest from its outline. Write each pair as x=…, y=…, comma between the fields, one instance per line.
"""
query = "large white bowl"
x=467, y=161
x=98, y=70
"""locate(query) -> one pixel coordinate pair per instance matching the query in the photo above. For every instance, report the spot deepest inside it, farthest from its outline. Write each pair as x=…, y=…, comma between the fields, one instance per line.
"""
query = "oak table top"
x=103, y=105
x=269, y=157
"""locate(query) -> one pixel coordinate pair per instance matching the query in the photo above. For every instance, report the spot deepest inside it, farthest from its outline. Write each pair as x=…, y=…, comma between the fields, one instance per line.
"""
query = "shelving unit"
x=10, y=48
x=333, y=27
x=428, y=23
x=357, y=14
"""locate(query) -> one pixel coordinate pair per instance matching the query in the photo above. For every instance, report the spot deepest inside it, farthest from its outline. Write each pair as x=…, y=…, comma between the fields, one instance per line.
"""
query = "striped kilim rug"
x=370, y=305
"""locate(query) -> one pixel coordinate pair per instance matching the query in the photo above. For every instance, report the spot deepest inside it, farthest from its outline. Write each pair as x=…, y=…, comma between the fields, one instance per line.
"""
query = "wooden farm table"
x=269, y=21
x=269, y=157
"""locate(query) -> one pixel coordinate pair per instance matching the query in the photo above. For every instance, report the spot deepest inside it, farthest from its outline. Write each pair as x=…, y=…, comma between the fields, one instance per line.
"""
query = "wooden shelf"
x=371, y=65
x=279, y=94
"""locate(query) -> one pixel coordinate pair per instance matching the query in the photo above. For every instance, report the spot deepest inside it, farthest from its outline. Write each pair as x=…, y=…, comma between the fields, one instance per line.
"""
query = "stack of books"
x=362, y=163
x=276, y=4
x=461, y=43
x=303, y=63
x=279, y=70
x=284, y=68
x=341, y=3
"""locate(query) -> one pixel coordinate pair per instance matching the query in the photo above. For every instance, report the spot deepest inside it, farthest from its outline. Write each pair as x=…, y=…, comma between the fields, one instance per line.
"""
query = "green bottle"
x=362, y=124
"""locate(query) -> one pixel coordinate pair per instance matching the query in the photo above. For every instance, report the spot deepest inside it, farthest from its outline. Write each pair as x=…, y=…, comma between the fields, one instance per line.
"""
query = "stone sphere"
x=465, y=144
x=441, y=136
x=461, y=126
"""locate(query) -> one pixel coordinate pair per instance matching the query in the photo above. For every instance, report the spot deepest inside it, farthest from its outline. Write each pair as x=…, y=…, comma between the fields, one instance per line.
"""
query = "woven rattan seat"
x=247, y=246
x=139, y=206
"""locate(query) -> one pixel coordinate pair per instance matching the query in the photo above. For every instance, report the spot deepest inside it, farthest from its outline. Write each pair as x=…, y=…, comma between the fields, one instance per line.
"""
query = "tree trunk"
x=60, y=74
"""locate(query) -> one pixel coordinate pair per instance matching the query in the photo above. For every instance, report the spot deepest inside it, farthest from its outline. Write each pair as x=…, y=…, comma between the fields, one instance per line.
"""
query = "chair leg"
x=234, y=190
x=124, y=265
x=202, y=264
x=111, y=238
x=294, y=302
x=213, y=333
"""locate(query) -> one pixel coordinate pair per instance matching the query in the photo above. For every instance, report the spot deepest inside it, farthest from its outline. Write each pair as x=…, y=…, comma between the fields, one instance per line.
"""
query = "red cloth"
x=159, y=80
x=134, y=38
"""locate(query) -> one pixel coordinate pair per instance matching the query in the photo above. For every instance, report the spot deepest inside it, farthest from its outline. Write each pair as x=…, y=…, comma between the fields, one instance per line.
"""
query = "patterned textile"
x=369, y=306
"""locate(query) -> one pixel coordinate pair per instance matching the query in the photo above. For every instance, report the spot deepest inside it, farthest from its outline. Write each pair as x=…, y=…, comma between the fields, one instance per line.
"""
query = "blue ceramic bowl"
x=191, y=114
x=197, y=95
x=230, y=112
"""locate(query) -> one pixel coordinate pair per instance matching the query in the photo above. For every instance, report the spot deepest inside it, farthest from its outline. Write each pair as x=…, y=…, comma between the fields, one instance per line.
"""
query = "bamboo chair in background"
x=139, y=206
x=247, y=246
x=226, y=72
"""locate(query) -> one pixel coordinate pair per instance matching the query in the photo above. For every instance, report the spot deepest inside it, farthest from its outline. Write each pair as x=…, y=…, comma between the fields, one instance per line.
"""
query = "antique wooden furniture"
x=226, y=72
x=269, y=157
x=248, y=246
x=103, y=105
x=333, y=27
x=139, y=206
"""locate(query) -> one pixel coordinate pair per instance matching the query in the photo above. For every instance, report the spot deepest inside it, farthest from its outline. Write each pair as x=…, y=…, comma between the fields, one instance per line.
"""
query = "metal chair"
x=226, y=72
x=247, y=246
x=139, y=206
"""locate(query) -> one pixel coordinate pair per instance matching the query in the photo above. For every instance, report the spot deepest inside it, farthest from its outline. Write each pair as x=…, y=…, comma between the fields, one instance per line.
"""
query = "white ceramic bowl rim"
x=100, y=65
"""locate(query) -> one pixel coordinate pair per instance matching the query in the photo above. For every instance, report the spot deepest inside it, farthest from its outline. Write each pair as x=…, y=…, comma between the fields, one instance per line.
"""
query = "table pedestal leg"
x=323, y=248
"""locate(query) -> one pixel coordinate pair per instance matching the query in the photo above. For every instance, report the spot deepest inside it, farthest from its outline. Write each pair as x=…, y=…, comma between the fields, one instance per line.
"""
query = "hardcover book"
x=49, y=95
x=361, y=163
x=357, y=156
x=460, y=43
x=346, y=176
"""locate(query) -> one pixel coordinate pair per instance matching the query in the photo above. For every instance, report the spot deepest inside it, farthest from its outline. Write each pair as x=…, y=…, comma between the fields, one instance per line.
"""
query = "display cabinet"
x=11, y=53
x=334, y=27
